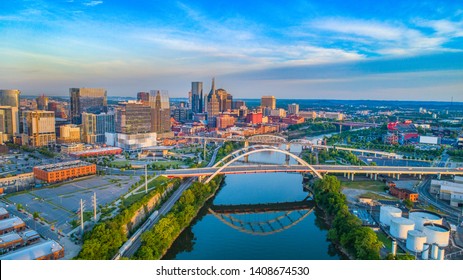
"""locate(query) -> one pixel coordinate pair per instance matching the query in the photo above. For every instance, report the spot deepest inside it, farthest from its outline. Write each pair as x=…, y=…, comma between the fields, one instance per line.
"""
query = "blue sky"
x=399, y=50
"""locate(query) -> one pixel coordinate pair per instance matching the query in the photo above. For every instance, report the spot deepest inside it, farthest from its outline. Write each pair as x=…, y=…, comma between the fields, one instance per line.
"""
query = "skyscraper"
x=269, y=102
x=9, y=123
x=132, y=118
x=160, y=111
x=38, y=128
x=94, y=127
x=90, y=100
x=42, y=102
x=197, y=97
x=9, y=97
x=225, y=100
x=293, y=109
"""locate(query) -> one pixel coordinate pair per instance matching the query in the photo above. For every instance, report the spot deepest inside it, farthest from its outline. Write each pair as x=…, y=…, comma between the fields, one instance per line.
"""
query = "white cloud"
x=93, y=3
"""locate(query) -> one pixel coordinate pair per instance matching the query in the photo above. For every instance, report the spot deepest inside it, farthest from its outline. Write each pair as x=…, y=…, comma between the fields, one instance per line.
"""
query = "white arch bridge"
x=224, y=166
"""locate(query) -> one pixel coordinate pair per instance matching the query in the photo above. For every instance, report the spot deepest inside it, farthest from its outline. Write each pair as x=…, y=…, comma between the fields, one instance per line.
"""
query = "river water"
x=281, y=234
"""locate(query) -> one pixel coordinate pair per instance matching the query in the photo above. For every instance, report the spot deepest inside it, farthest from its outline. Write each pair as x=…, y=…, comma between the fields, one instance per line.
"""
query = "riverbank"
x=157, y=241
x=347, y=232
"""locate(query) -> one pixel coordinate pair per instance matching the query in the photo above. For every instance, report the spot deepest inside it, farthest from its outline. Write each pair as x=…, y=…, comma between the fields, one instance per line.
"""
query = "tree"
x=36, y=215
x=408, y=203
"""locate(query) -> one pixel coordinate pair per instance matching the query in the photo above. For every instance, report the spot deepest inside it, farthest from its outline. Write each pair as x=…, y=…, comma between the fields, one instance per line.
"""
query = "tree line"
x=346, y=229
x=158, y=240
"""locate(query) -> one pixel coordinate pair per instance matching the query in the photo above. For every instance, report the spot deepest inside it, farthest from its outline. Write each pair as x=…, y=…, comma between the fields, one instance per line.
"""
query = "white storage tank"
x=386, y=213
x=438, y=234
x=415, y=240
x=401, y=226
x=421, y=217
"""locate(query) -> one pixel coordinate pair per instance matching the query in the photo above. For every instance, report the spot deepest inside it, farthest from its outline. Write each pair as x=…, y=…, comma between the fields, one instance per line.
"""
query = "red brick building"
x=403, y=193
x=58, y=172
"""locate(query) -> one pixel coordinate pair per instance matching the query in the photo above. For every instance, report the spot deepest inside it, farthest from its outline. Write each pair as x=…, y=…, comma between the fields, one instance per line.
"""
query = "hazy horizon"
x=365, y=50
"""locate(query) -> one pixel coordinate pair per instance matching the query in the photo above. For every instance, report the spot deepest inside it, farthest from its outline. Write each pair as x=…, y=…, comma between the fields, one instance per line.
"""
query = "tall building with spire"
x=160, y=111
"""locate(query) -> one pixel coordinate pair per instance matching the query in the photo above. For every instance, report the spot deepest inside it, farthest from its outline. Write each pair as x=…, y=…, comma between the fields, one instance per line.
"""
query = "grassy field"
x=376, y=196
x=385, y=239
x=170, y=162
x=118, y=164
x=370, y=185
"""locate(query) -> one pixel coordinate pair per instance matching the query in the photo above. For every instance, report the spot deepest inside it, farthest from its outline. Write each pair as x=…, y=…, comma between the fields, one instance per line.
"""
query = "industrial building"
x=47, y=250
x=450, y=191
x=4, y=214
x=14, y=240
x=13, y=224
x=58, y=172
x=403, y=193
x=16, y=183
x=97, y=152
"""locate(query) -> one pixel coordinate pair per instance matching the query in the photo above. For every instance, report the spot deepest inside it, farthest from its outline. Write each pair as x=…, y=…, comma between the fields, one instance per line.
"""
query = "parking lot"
x=59, y=205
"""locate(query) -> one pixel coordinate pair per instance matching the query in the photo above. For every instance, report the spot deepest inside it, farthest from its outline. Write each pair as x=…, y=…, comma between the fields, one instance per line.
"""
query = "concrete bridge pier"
x=398, y=176
x=345, y=174
x=438, y=176
x=246, y=144
x=352, y=177
x=376, y=177
x=420, y=176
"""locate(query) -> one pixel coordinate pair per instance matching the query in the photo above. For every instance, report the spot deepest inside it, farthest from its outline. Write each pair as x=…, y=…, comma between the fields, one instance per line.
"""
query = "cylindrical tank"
x=425, y=254
x=415, y=240
x=400, y=227
x=441, y=253
x=421, y=217
x=386, y=213
x=434, y=251
x=438, y=234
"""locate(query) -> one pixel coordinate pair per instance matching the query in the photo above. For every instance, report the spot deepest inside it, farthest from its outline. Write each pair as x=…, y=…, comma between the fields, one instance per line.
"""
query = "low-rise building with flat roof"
x=58, y=172
x=12, y=224
x=4, y=214
x=97, y=152
x=47, y=250
x=10, y=241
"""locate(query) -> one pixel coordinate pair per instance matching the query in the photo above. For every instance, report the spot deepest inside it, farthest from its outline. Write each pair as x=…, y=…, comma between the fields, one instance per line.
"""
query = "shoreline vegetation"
x=157, y=241
x=353, y=239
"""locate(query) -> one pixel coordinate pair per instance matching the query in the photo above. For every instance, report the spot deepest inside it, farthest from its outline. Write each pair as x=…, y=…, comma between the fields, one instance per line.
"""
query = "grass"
x=376, y=196
x=370, y=185
x=170, y=162
x=120, y=163
x=384, y=239
x=456, y=159
x=132, y=199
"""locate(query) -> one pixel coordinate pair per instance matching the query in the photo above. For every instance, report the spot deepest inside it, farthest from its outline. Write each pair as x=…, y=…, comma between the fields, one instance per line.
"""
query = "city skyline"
x=352, y=50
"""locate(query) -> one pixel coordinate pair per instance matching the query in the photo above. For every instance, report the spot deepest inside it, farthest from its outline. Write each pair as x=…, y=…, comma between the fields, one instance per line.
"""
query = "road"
x=165, y=208
x=241, y=169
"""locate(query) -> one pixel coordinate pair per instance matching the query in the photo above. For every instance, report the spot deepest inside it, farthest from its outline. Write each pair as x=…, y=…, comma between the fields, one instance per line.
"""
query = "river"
x=287, y=234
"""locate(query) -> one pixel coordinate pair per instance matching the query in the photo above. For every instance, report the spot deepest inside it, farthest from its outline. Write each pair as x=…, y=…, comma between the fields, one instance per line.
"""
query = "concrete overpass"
x=347, y=170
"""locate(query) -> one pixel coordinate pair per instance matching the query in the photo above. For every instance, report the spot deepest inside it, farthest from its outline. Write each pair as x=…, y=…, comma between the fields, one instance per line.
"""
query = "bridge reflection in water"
x=263, y=219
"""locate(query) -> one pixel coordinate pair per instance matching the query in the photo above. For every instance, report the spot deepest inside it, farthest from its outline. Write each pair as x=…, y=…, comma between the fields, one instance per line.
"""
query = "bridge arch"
x=278, y=226
x=259, y=149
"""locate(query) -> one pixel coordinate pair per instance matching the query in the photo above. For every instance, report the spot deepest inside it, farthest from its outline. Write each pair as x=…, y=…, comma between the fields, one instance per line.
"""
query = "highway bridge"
x=268, y=139
x=347, y=170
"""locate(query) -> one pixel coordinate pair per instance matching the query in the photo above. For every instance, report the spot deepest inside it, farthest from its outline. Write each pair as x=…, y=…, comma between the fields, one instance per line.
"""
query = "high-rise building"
x=143, y=96
x=69, y=133
x=213, y=105
x=160, y=111
x=132, y=118
x=237, y=104
x=197, y=101
x=89, y=100
x=254, y=118
x=9, y=123
x=293, y=109
x=269, y=102
x=38, y=128
x=9, y=97
x=224, y=121
x=94, y=127
x=42, y=102
x=181, y=114
x=58, y=108
x=225, y=100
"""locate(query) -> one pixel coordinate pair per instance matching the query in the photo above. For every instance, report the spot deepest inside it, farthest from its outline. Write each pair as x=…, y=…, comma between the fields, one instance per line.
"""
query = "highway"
x=326, y=169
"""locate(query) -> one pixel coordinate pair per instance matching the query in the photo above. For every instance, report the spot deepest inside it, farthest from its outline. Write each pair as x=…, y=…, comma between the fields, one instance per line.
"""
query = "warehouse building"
x=58, y=172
